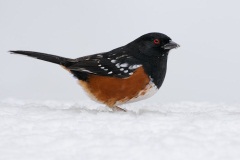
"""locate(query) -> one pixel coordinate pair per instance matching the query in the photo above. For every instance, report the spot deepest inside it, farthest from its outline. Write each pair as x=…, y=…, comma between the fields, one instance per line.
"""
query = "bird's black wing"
x=113, y=64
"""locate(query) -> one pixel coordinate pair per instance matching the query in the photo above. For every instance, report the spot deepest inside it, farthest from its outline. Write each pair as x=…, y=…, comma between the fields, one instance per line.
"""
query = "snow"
x=50, y=130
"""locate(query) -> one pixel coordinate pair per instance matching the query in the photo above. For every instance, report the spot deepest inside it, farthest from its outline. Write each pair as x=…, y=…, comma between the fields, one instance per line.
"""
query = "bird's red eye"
x=156, y=41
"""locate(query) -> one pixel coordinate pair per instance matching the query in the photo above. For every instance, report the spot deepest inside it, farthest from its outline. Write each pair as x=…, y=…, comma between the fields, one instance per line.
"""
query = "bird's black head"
x=154, y=44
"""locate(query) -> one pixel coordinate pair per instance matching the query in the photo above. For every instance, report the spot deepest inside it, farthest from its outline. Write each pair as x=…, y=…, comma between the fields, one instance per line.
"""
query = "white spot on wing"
x=99, y=56
x=113, y=61
x=135, y=66
x=126, y=71
x=124, y=65
x=85, y=70
x=117, y=65
x=121, y=56
x=121, y=69
x=110, y=72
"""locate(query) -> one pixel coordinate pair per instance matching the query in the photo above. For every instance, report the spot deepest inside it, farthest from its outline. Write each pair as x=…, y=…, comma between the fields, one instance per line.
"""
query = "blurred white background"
x=205, y=67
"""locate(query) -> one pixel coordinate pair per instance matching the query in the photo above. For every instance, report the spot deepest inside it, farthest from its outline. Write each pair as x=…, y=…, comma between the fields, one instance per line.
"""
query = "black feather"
x=46, y=57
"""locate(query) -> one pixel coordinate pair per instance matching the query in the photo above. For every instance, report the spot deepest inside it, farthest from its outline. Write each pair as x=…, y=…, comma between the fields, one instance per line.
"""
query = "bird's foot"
x=116, y=108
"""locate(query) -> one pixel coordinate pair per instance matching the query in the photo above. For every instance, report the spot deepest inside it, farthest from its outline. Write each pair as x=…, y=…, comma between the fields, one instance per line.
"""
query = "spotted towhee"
x=126, y=74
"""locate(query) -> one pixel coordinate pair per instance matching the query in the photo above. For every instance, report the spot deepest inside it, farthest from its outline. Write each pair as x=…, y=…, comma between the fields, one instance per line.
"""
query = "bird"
x=129, y=73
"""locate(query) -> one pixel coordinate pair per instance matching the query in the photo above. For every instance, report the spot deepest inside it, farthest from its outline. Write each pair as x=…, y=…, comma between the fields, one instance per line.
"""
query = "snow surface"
x=47, y=130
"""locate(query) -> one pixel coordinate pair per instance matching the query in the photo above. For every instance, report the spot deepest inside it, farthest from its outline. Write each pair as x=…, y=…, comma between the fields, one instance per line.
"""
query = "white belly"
x=147, y=92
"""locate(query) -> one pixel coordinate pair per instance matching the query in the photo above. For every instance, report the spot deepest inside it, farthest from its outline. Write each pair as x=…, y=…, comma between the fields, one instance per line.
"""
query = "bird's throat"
x=157, y=70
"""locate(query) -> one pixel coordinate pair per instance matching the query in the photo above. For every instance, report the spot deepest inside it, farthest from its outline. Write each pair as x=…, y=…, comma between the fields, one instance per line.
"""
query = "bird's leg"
x=116, y=108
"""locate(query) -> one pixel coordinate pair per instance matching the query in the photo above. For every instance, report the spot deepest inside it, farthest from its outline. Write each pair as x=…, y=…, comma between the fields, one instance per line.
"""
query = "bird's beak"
x=171, y=45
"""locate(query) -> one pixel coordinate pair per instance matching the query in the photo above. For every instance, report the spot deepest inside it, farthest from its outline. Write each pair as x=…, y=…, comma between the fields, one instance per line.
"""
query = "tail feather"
x=46, y=57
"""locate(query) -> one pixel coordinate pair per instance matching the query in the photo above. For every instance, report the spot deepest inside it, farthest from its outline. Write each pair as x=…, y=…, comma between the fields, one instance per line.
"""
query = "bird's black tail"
x=46, y=57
